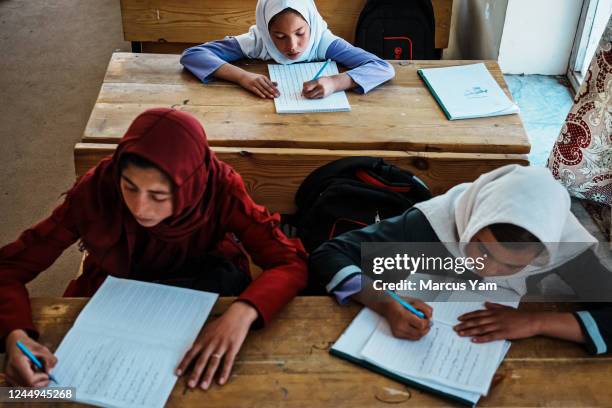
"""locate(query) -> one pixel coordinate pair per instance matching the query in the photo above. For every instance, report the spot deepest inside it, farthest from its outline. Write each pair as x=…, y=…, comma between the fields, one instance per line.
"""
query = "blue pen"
x=407, y=305
x=318, y=74
x=33, y=358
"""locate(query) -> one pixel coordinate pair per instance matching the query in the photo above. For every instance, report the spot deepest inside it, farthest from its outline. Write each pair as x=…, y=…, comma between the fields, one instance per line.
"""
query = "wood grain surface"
x=199, y=21
x=288, y=365
x=401, y=115
x=272, y=176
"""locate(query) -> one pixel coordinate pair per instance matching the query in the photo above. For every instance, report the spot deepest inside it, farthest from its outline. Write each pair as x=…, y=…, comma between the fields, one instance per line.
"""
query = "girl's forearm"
x=343, y=82
x=230, y=73
x=560, y=325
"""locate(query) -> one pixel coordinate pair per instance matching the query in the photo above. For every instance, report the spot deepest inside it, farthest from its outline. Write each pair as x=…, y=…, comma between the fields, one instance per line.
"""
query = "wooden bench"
x=170, y=26
x=272, y=175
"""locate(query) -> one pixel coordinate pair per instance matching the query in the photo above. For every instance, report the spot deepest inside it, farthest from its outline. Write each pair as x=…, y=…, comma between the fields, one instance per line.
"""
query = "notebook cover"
x=435, y=95
x=474, y=116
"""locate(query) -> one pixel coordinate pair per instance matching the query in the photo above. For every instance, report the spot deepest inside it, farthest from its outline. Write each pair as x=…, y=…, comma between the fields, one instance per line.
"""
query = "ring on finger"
x=216, y=355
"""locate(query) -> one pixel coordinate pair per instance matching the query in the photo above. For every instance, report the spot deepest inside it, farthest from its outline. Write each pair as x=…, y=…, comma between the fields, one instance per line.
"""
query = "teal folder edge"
x=399, y=378
x=435, y=95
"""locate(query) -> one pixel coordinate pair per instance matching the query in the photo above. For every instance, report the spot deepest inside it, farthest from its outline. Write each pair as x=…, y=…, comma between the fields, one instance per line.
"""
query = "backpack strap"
x=371, y=170
x=320, y=178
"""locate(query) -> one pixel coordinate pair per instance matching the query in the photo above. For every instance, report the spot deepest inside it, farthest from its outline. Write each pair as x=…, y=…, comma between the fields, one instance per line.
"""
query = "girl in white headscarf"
x=518, y=218
x=287, y=31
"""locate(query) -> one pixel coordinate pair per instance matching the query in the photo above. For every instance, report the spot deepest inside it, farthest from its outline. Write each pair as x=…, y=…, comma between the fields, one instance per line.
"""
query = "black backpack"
x=398, y=29
x=352, y=193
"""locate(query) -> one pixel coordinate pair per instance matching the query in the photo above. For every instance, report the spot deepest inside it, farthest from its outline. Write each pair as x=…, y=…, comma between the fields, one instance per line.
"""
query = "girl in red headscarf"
x=155, y=211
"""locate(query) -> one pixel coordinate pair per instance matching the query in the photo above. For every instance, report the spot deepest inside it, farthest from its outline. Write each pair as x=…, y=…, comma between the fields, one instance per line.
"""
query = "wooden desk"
x=399, y=122
x=288, y=364
x=401, y=115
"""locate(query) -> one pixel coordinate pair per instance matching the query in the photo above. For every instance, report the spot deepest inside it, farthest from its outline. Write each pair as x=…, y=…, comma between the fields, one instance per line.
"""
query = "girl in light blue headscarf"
x=288, y=31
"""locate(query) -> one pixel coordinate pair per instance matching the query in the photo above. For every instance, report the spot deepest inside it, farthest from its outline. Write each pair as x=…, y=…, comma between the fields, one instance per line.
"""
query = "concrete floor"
x=54, y=56
x=544, y=102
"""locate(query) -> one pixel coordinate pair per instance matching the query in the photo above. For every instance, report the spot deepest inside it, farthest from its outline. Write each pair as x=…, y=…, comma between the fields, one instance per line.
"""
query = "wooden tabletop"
x=400, y=115
x=288, y=364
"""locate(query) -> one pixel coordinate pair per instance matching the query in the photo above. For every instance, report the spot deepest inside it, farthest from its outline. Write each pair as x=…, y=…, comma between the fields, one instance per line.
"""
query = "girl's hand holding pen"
x=404, y=323
x=19, y=369
x=319, y=88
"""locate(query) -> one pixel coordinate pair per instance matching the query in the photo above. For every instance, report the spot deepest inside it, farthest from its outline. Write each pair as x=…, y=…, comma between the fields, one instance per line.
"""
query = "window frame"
x=581, y=40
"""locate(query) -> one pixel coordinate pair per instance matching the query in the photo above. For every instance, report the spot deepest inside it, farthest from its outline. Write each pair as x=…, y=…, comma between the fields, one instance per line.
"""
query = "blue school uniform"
x=366, y=69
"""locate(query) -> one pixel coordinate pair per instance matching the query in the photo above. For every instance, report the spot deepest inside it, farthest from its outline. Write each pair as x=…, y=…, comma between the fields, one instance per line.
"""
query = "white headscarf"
x=528, y=197
x=258, y=44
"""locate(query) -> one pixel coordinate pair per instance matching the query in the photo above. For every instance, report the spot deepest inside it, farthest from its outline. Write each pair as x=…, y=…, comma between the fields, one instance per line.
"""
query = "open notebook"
x=290, y=80
x=467, y=91
x=125, y=345
x=441, y=362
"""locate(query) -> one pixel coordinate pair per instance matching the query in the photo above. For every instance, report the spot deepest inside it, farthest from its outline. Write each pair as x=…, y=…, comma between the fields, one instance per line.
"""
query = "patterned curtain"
x=582, y=155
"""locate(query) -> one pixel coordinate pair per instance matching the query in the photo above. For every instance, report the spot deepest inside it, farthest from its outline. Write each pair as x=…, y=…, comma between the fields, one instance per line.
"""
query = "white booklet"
x=441, y=356
x=467, y=91
x=290, y=80
x=125, y=345
x=441, y=362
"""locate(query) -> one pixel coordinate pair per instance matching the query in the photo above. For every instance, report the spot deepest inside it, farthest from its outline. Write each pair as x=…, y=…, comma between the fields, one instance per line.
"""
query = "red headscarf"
x=204, y=189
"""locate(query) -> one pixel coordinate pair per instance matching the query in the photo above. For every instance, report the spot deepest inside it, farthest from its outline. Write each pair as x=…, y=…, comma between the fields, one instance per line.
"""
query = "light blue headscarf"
x=258, y=44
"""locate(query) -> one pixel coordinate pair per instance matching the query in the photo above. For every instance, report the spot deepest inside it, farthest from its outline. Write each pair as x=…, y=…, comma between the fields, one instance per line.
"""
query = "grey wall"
x=476, y=29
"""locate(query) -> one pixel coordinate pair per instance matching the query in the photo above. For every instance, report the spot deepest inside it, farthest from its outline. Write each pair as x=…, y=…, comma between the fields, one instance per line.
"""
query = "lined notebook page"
x=359, y=332
x=117, y=371
x=449, y=312
x=440, y=356
x=148, y=310
x=126, y=343
x=290, y=80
